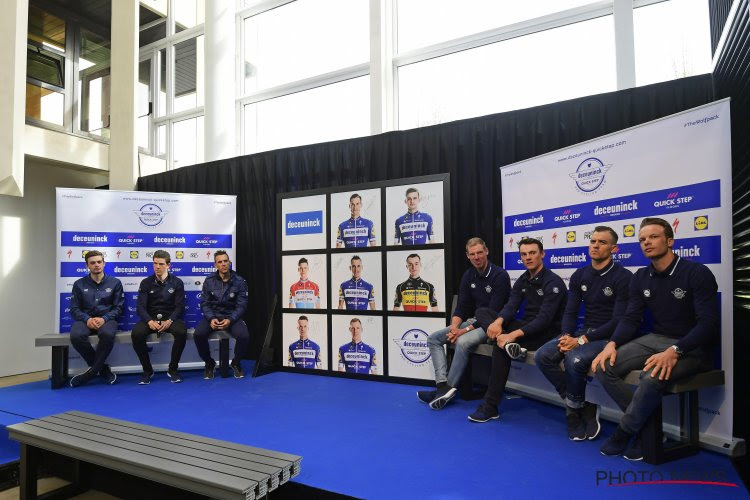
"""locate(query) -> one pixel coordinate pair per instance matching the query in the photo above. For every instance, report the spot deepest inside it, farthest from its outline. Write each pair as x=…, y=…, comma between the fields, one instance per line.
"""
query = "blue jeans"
x=570, y=384
x=79, y=338
x=639, y=405
x=464, y=346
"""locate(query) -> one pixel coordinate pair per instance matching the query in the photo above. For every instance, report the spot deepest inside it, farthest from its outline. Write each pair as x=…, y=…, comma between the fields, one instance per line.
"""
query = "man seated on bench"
x=484, y=285
x=542, y=294
x=95, y=305
x=161, y=302
x=681, y=296
x=223, y=302
x=602, y=287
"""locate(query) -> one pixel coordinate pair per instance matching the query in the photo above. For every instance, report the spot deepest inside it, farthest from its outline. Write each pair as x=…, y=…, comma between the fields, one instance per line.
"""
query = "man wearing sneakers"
x=602, y=287
x=542, y=295
x=96, y=303
x=161, y=302
x=681, y=296
x=484, y=285
x=223, y=302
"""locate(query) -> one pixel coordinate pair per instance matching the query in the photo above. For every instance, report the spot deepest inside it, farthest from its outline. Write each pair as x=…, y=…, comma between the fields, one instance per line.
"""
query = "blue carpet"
x=376, y=440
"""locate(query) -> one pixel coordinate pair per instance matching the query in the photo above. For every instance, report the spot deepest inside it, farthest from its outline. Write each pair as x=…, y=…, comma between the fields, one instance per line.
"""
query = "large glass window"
x=426, y=22
x=144, y=103
x=548, y=66
x=672, y=40
x=45, y=67
x=188, y=14
x=187, y=135
x=188, y=74
x=45, y=104
x=302, y=39
x=93, y=84
x=337, y=111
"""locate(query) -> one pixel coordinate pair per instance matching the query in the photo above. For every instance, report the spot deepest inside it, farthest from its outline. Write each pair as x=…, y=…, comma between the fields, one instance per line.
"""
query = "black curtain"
x=470, y=150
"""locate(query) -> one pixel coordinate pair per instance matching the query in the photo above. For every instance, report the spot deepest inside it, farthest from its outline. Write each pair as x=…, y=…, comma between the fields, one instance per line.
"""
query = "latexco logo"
x=700, y=223
x=304, y=223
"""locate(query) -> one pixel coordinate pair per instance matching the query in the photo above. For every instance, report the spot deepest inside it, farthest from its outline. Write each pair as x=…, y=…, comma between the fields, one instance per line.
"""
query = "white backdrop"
x=677, y=168
x=128, y=226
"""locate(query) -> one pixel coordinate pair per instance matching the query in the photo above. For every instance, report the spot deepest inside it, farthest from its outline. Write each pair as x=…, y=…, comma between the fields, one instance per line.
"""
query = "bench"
x=655, y=450
x=60, y=342
x=210, y=467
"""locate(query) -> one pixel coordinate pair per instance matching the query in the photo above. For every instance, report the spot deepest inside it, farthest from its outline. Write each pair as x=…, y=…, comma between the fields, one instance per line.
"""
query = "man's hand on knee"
x=609, y=353
x=495, y=329
x=454, y=333
x=661, y=364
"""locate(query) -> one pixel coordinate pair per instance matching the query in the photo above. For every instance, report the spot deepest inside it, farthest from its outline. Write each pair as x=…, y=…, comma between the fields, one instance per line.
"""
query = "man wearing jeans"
x=681, y=296
x=484, y=285
x=602, y=287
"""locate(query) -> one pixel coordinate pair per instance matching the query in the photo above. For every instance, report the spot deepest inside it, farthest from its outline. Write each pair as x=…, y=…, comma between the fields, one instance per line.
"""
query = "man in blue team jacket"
x=95, y=305
x=223, y=302
x=681, y=296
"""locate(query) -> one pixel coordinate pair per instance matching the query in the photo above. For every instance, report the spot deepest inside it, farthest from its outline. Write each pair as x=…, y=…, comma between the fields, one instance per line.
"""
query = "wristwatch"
x=677, y=350
x=581, y=340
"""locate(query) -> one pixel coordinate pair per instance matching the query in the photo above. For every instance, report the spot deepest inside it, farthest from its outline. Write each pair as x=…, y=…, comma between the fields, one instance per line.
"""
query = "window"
x=144, y=104
x=93, y=84
x=188, y=136
x=188, y=74
x=45, y=67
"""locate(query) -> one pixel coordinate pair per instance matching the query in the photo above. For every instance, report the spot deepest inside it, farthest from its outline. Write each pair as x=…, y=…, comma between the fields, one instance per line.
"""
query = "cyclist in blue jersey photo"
x=356, y=231
x=356, y=294
x=356, y=356
x=304, y=353
x=414, y=227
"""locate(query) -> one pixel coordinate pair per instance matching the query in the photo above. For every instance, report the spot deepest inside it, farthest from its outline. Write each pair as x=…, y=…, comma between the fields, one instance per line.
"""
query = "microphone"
x=158, y=320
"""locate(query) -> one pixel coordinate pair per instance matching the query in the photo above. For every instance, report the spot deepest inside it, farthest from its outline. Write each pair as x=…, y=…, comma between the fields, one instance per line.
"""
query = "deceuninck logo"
x=150, y=214
x=413, y=346
x=304, y=223
x=589, y=175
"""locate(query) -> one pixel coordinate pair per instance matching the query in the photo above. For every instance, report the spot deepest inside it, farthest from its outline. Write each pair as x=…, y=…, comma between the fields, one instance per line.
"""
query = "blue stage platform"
x=376, y=440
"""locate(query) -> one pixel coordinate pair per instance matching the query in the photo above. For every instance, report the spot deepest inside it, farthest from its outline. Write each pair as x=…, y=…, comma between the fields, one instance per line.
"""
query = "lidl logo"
x=628, y=230
x=179, y=254
x=701, y=223
x=570, y=236
x=134, y=254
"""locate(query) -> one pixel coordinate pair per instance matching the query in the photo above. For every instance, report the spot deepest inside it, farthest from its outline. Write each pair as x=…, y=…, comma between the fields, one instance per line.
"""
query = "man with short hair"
x=415, y=294
x=602, y=287
x=304, y=353
x=681, y=296
x=356, y=294
x=540, y=293
x=223, y=302
x=414, y=227
x=356, y=356
x=483, y=285
x=304, y=294
x=96, y=303
x=356, y=231
x=161, y=303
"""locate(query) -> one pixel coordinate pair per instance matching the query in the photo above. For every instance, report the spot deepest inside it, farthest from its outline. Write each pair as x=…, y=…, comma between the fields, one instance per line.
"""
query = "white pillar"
x=13, y=32
x=381, y=67
x=219, y=77
x=123, y=145
x=624, y=44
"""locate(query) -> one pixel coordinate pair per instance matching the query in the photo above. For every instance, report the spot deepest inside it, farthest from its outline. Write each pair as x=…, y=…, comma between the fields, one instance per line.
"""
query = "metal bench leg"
x=651, y=439
x=28, y=472
x=59, y=366
x=224, y=358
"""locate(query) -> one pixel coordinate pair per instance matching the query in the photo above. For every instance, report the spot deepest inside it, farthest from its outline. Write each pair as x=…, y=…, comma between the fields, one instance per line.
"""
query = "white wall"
x=27, y=263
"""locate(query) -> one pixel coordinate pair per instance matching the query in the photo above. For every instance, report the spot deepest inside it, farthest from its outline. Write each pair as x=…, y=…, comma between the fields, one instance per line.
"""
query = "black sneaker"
x=82, y=378
x=590, y=415
x=107, y=374
x=576, y=429
x=484, y=413
x=146, y=378
x=515, y=351
x=616, y=443
x=634, y=453
x=208, y=371
x=426, y=396
x=174, y=376
x=443, y=396
x=237, y=370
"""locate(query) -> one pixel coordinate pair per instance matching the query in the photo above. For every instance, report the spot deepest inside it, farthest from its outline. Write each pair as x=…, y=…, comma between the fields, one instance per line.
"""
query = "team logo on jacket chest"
x=540, y=291
x=488, y=288
x=679, y=293
x=171, y=290
x=647, y=293
x=584, y=288
x=607, y=291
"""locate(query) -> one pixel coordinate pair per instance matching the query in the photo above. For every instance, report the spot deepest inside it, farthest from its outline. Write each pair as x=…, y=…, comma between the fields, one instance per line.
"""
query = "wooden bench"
x=655, y=450
x=60, y=342
x=217, y=469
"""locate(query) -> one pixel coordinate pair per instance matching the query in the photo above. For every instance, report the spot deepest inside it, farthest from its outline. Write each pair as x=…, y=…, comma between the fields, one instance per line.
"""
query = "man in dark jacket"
x=95, y=305
x=223, y=302
x=161, y=303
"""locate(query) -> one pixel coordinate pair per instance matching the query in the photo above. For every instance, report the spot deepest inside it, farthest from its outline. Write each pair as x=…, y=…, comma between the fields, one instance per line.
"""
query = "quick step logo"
x=304, y=223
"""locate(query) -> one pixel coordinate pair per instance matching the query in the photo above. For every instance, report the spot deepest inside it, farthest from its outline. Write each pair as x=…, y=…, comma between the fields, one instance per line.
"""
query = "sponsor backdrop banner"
x=128, y=226
x=677, y=168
